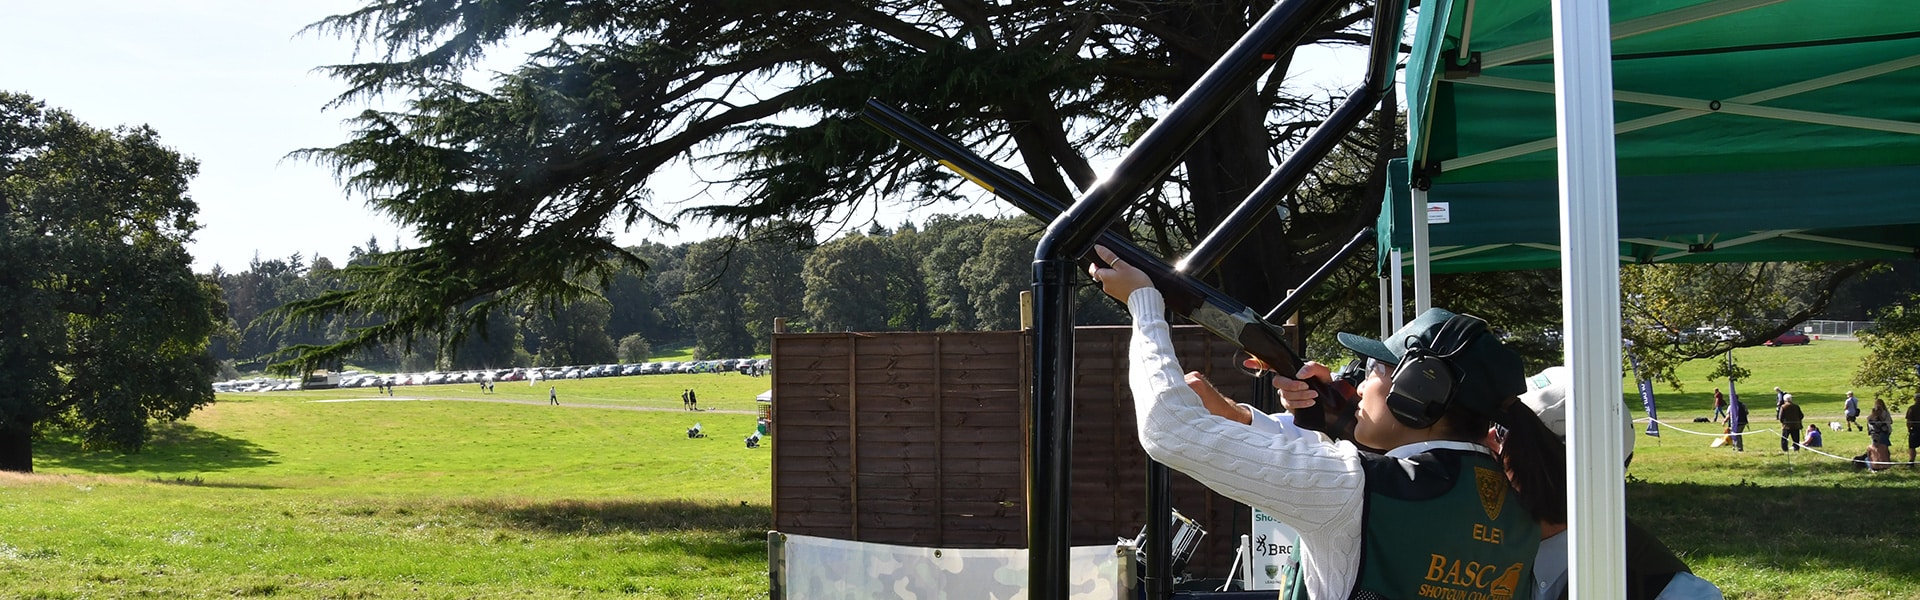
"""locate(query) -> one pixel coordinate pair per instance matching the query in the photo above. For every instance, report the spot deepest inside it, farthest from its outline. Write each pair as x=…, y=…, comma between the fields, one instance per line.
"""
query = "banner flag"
x=1646, y=397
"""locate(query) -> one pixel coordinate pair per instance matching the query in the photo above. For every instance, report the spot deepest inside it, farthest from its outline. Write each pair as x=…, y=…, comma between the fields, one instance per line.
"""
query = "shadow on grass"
x=1857, y=523
x=628, y=516
x=175, y=448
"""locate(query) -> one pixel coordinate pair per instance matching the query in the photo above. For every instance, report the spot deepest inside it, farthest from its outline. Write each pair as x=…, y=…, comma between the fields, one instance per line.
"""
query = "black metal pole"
x=1207, y=255
x=1154, y=154
x=1185, y=295
x=1051, y=456
x=1291, y=303
x=1159, y=548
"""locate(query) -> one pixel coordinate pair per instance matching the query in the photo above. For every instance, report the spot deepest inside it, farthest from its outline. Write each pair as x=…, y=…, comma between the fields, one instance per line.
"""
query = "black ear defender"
x=1424, y=381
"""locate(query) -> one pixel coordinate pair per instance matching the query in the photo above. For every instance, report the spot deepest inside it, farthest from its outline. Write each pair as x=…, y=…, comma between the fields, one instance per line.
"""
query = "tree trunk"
x=16, y=445
x=1227, y=163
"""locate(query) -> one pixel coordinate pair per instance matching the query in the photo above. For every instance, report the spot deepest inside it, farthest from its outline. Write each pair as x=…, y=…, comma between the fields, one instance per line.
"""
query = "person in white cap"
x=1436, y=515
x=1653, y=571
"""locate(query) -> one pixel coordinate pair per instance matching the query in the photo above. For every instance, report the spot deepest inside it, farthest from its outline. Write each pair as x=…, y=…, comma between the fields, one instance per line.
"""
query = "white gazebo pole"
x=1590, y=284
x=1399, y=295
x=1386, y=304
x=1422, y=271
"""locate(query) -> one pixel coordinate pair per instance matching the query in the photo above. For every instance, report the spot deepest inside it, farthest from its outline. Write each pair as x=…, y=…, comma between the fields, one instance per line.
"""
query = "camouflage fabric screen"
x=817, y=568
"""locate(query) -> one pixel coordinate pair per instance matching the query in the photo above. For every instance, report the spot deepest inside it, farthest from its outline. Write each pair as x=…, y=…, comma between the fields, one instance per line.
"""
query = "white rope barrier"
x=1712, y=434
x=1776, y=434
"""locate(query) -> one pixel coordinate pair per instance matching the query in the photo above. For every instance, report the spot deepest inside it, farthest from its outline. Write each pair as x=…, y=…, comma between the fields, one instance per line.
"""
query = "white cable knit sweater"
x=1299, y=477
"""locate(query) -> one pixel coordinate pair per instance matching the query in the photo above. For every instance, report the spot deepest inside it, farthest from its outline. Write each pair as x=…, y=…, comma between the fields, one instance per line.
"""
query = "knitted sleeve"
x=1295, y=475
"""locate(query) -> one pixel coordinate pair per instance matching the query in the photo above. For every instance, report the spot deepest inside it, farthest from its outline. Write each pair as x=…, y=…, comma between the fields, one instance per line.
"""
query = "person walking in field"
x=1790, y=419
x=553, y=396
x=1719, y=405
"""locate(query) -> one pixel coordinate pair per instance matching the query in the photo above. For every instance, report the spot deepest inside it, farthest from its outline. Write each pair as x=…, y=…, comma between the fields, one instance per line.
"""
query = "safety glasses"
x=1357, y=371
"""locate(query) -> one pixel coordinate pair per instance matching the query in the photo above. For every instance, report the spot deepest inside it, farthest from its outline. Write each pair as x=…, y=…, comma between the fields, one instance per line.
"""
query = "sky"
x=228, y=83
x=231, y=84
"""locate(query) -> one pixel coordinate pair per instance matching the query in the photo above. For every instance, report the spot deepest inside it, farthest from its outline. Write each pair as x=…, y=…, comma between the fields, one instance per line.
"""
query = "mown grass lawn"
x=300, y=495
x=1765, y=524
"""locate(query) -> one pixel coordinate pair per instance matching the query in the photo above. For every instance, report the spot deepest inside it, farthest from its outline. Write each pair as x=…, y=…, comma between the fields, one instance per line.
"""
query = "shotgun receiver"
x=1226, y=317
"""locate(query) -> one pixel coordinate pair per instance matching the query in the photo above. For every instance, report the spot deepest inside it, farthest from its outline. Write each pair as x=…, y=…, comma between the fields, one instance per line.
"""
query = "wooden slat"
x=957, y=398
x=939, y=425
x=796, y=478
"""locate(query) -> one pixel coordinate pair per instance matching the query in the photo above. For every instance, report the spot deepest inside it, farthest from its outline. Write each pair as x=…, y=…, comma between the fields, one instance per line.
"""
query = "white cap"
x=1549, y=396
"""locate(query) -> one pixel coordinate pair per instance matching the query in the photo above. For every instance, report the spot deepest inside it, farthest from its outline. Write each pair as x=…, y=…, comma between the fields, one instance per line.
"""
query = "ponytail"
x=1536, y=463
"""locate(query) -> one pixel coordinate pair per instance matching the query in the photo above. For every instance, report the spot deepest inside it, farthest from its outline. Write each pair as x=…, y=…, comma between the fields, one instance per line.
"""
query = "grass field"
x=1768, y=524
x=289, y=495
x=286, y=495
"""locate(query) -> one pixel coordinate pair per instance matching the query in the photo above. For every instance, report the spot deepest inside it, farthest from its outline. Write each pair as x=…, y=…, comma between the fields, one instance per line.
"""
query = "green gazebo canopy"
x=1746, y=130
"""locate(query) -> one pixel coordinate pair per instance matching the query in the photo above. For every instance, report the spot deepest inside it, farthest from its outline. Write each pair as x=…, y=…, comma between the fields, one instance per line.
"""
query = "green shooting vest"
x=1456, y=531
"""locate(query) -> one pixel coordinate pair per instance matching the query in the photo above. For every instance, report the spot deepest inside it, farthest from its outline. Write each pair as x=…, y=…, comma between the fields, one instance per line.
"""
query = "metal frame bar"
x=1626, y=29
x=1742, y=240
x=1706, y=107
x=1234, y=228
x=1847, y=242
x=1624, y=127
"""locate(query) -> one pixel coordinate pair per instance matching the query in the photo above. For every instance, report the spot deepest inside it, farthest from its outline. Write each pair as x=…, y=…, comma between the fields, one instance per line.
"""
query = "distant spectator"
x=1813, y=436
x=1853, y=411
x=1790, y=419
x=1880, y=430
x=753, y=440
x=1737, y=423
x=1719, y=405
x=553, y=395
x=693, y=400
x=1913, y=429
x=1779, y=400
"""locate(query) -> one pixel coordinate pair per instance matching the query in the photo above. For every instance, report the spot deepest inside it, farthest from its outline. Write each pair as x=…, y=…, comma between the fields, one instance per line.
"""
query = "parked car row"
x=356, y=380
x=257, y=384
x=1724, y=333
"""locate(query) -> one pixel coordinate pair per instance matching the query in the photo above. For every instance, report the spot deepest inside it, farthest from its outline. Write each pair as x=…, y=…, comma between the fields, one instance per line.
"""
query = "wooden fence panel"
x=921, y=439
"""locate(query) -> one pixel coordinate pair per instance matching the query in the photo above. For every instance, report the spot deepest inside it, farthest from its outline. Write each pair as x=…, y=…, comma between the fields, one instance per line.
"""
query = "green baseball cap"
x=1490, y=374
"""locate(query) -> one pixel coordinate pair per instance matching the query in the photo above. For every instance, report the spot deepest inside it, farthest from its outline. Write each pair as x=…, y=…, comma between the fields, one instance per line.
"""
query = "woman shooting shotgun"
x=1434, y=516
